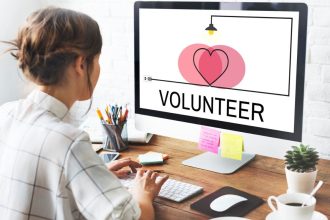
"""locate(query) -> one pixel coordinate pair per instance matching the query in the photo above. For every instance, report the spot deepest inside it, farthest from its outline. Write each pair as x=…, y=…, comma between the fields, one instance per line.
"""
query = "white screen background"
x=263, y=43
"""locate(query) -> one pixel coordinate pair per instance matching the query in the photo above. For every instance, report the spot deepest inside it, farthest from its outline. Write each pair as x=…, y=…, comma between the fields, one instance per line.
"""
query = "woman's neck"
x=64, y=95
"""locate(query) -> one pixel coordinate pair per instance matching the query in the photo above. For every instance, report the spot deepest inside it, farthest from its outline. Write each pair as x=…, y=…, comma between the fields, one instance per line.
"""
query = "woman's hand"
x=145, y=189
x=147, y=185
x=117, y=167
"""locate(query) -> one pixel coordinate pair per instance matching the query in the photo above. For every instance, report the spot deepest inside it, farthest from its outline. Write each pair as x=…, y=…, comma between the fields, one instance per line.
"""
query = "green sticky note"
x=150, y=158
x=232, y=146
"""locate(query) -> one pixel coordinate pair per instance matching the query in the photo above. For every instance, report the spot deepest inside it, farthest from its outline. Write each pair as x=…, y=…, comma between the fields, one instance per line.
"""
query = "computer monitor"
x=232, y=66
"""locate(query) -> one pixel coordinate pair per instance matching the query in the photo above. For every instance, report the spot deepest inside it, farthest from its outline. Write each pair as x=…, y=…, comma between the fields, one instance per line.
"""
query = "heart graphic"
x=202, y=64
x=211, y=65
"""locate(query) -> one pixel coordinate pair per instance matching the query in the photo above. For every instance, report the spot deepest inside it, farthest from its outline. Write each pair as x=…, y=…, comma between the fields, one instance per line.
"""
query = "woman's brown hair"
x=51, y=40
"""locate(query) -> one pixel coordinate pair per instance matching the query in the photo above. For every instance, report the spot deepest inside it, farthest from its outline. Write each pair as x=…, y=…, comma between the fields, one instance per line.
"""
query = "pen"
x=120, y=112
x=114, y=114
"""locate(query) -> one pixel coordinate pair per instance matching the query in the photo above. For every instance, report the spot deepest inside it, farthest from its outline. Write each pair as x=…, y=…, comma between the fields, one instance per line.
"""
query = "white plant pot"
x=300, y=182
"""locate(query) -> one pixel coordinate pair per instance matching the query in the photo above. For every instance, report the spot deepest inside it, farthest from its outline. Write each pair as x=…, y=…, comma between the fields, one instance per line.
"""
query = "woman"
x=48, y=169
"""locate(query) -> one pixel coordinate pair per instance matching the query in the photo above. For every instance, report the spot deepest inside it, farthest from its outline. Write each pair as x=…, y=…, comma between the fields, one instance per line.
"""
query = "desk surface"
x=264, y=176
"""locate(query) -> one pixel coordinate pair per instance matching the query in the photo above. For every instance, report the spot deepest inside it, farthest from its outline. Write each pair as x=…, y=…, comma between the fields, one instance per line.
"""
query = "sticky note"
x=209, y=139
x=165, y=156
x=232, y=146
x=151, y=158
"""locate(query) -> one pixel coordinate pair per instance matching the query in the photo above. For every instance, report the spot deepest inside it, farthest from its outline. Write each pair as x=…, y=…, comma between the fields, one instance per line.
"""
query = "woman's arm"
x=96, y=191
x=146, y=188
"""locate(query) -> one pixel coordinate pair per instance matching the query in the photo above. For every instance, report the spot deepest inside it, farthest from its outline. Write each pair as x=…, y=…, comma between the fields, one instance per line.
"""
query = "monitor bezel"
x=262, y=6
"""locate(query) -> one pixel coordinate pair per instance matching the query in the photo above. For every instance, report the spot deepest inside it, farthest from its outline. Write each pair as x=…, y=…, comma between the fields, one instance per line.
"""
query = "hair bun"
x=51, y=39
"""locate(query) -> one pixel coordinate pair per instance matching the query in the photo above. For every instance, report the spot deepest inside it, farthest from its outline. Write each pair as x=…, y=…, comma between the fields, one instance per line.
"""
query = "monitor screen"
x=237, y=66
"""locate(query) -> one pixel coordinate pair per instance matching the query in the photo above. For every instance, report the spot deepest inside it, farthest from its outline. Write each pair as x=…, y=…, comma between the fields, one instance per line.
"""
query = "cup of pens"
x=115, y=128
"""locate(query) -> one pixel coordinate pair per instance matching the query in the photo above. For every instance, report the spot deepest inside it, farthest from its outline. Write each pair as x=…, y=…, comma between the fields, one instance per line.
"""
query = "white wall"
x=115, y=18
x=12, y=15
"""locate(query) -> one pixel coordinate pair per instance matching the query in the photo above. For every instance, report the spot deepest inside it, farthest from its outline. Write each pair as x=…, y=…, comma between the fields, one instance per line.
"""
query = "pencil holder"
x=116, y=138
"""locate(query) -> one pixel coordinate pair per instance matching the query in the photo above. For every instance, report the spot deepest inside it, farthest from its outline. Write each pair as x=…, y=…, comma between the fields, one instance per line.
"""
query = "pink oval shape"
x=186, y=64
x=208, y=67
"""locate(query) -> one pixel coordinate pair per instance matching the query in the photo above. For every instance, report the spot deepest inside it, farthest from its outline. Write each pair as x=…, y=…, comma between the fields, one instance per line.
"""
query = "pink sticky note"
x=209, y=139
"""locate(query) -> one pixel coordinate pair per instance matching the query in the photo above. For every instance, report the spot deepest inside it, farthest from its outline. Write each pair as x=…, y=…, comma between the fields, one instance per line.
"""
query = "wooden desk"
x=264, y=176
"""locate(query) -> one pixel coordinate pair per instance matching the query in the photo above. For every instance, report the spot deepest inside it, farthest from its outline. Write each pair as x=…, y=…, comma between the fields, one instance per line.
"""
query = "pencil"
x=99, y=114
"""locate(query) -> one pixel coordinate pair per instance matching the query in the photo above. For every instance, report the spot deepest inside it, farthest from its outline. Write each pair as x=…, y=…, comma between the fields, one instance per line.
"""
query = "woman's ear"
x=80, y=66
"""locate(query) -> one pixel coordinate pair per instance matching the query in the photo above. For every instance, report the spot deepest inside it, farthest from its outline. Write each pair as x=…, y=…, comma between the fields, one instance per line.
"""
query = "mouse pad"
x=238, y=210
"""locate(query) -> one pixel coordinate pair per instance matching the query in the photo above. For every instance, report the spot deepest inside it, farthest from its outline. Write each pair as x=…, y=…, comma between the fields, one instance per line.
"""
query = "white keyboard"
x=172, y=189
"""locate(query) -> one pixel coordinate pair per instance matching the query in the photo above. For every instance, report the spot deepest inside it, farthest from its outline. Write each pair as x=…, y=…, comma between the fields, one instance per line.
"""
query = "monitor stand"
x=213, y=162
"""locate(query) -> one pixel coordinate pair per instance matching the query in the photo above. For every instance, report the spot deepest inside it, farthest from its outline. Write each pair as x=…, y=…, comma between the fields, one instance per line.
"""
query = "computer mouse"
x=224, y=202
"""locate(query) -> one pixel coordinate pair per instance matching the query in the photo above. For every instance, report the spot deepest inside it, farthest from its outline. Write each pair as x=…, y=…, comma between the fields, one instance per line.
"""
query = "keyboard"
x=172, y=189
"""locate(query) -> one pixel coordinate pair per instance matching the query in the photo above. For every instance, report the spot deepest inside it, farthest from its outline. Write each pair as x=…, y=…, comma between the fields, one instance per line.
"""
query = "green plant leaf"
x=301, y=158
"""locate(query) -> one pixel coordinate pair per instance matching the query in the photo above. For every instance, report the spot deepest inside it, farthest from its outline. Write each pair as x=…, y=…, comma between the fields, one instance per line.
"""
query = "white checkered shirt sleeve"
x=97, y=192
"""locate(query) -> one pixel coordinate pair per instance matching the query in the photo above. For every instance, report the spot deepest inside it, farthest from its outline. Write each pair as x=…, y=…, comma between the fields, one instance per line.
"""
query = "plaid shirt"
x=48, y=169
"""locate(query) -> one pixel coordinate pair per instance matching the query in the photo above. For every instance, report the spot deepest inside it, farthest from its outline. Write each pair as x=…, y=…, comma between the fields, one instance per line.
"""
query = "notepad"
x=209, y=139
x=150, y=158
x=232, y=146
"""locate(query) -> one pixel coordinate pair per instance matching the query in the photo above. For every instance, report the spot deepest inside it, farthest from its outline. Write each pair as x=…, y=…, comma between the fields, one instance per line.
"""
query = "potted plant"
x=300, y=169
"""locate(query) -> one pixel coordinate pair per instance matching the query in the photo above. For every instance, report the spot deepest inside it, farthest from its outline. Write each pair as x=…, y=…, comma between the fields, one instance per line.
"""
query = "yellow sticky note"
x=232, y=146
